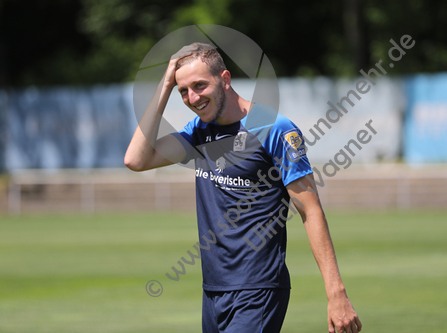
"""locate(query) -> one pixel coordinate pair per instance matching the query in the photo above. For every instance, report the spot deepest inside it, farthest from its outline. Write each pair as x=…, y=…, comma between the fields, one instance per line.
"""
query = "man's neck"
x=236, y=108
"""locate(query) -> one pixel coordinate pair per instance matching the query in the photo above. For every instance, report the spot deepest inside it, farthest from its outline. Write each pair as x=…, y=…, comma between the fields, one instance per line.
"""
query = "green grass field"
x=88, y=273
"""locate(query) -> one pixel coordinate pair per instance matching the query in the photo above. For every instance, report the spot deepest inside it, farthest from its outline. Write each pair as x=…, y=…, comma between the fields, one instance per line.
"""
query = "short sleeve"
x=185, y=136
x=286, y=146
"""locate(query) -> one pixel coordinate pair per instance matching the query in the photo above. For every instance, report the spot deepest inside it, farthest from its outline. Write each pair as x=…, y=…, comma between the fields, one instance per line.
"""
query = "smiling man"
x=250, y=163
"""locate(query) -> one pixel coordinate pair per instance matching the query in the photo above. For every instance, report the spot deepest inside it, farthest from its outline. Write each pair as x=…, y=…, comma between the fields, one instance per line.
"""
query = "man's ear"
x=226, y=77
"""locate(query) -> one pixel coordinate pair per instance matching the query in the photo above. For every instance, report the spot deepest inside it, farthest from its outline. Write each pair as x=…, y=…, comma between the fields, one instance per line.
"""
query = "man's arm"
x=341, y=314
x=145, y=151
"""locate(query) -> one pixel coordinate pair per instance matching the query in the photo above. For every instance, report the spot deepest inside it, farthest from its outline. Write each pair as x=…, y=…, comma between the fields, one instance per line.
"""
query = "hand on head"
x=170, y=72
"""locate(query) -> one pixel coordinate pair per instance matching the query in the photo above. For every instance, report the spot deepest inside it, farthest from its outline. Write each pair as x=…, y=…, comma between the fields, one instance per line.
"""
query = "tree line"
x=81, y=42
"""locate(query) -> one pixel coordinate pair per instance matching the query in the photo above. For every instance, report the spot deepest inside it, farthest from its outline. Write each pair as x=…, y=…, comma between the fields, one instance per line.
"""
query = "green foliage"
x=202, y=12
x=96, y=41
x=112, y=59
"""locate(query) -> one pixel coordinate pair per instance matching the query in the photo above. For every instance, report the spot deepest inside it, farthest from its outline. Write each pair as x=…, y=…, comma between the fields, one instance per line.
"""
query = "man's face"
x=201, y=91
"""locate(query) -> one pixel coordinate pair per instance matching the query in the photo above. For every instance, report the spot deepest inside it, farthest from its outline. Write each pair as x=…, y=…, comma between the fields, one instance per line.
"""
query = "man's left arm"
x=341, y=314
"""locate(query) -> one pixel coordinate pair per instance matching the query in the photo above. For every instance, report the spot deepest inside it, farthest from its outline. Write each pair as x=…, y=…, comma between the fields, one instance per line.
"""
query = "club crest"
x=239, y=141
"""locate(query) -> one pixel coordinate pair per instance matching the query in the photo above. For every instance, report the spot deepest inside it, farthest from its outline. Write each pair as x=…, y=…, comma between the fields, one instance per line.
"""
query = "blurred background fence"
x=63, y=148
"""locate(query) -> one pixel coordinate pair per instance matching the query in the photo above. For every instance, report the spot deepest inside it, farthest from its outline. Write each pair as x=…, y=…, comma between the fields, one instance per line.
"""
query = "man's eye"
x=200, y=85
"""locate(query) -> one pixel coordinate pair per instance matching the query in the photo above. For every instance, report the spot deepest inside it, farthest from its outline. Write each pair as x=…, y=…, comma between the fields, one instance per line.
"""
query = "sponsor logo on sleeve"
x=292, y=139
x=294, y=144
x=293, y=155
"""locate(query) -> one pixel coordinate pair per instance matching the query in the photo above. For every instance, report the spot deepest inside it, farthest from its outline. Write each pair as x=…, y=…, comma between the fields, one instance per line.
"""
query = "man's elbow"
x=134, y=164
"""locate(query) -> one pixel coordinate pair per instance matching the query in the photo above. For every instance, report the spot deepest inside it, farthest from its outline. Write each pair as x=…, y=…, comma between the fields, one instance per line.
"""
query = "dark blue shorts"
x=244, y=311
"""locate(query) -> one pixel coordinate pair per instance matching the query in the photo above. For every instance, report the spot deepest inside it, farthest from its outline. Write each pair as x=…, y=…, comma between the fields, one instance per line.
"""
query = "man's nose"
x=193, y=97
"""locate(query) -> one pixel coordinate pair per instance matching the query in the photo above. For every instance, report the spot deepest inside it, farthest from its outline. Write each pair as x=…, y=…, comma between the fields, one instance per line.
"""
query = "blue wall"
x=91, y=127
x=68, y=127
x=425, y=125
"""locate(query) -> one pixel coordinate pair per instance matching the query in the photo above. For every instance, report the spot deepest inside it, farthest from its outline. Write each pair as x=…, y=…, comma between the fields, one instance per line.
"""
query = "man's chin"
x=207, y=119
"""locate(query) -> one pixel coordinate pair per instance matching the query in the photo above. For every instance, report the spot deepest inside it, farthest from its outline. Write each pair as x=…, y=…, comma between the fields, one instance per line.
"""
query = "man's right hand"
x=170, y=72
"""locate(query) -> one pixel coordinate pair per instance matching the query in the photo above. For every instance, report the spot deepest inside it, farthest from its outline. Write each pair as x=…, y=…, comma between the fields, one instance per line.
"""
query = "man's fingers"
x=347, y=327
x=358, y=323
x=331, y=327
x=184, y=51
x=340, y=327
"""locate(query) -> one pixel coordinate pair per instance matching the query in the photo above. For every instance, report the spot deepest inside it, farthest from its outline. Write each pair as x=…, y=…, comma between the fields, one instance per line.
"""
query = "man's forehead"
x=193, y=71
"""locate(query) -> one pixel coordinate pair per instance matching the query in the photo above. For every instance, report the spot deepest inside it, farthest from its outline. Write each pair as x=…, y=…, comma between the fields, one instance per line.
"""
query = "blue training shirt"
x=242, y=170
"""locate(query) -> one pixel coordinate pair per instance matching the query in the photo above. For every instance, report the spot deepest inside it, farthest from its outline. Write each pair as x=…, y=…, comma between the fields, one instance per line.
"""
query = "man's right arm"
x=145, y=152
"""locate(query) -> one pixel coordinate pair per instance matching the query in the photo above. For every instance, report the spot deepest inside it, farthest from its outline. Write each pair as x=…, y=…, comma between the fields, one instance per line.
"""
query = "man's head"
x=203, y=81
x=208, y=55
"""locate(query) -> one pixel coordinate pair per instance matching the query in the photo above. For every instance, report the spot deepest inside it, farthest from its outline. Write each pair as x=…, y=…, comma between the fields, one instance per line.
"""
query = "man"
x=250, y=163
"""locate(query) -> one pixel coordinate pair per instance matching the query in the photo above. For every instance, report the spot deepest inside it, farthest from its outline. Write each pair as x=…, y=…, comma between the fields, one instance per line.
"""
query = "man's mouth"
x=201, y=106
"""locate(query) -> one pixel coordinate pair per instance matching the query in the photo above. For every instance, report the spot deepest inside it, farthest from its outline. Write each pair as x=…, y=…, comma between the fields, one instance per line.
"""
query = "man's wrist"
x=336, y=292
x=166, y=89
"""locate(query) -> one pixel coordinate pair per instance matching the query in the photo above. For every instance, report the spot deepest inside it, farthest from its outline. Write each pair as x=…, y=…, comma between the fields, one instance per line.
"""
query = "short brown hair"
x=208, y=55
